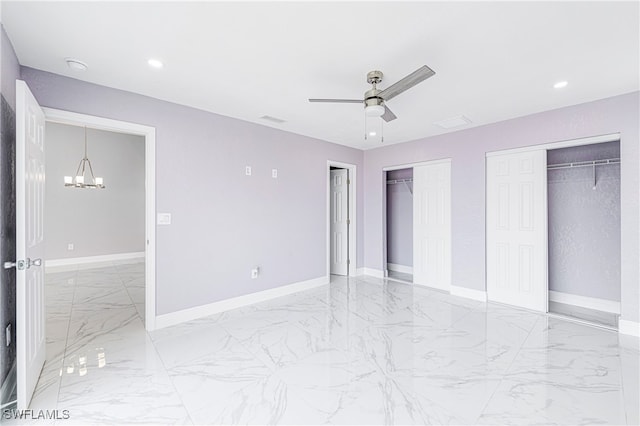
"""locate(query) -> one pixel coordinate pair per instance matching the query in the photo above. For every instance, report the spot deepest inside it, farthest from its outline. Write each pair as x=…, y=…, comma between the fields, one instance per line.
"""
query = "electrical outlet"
x=254, y=273
x=8, y=335
x=70, y=246
x=274, y=173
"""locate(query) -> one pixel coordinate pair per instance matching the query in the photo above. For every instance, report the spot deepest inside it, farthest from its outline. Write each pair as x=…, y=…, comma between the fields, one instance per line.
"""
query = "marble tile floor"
x=355, y=351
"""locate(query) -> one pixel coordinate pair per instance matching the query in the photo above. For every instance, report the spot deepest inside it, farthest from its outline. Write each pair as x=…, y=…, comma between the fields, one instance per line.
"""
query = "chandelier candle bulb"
x=99, y=181
x=80, y=180
x=68, y=180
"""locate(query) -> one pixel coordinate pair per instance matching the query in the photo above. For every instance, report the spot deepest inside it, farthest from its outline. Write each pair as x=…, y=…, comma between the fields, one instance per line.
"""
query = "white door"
x=432, y=225
x=339, y=228
x=30, y=312
x=516, y=229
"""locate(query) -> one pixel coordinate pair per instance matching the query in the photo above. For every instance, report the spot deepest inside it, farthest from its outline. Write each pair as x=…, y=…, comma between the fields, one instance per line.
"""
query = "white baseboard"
x=469, y=293
x=400, y=268
x=630, y=328
x=371, y=272
x=585, y=302
x=73, y=263
x=189, y=314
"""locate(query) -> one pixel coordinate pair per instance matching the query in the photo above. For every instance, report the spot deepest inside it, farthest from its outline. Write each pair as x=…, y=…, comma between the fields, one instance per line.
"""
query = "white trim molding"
x=105, y=258
x=611, y=137
x=377, y=273
x=400, y=268
x=421, y=163
x=630, y=328
x=468, y=293
x=603, y=305
x=189, y=314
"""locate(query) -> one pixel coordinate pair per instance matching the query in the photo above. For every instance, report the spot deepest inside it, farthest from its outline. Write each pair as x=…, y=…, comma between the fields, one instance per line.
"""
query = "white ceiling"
x=493, y=60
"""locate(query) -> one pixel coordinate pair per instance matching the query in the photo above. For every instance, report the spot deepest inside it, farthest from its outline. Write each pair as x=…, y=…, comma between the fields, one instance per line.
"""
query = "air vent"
x=272, y=119
x=453, y=122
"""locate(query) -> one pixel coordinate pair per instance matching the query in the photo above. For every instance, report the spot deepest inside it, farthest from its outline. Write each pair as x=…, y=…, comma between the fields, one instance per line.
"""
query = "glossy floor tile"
x=356, y=351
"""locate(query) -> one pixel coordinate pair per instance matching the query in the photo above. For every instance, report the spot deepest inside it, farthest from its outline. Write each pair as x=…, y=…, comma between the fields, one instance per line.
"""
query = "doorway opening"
x=553, y=222
x=399, y=224
x=99, y=229
x=341, y=219
x=583, y=192
x=417, y=211
x=139, y=262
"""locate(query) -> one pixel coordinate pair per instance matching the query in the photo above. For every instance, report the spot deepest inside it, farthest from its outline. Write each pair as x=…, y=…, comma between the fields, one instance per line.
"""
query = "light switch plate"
x=164, y=218
x=274, y=173
x=247, y=170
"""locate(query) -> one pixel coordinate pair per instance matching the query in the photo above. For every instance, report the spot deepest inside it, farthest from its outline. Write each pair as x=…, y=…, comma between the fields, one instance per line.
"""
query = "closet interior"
x=400, y=224
x=584, y=232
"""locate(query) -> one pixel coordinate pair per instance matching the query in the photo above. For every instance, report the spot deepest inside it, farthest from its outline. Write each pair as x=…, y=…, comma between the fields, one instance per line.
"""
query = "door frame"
x=352, y=215
x=385, y=270
x=611, y=137
x=53, y=115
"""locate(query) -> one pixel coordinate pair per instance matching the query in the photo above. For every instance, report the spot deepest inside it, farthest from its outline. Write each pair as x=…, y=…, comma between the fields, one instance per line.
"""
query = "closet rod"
x=584, y=164
x=394, y=181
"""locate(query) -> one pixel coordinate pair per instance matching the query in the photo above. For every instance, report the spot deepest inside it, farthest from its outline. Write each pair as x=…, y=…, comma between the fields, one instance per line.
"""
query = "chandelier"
x=85, y=165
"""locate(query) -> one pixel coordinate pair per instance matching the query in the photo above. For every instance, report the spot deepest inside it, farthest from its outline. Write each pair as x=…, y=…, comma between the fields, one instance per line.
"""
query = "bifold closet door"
x=516, y=229
x=432, y=225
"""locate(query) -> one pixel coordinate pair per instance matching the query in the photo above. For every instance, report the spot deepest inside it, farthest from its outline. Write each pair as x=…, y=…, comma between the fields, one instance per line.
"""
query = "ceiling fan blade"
x=406, y=83
x=342, y=101
x=388, y=115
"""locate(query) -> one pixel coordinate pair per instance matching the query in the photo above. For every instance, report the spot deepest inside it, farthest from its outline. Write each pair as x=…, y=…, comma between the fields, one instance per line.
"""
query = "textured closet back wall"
x=584, y=223
x=400, y=219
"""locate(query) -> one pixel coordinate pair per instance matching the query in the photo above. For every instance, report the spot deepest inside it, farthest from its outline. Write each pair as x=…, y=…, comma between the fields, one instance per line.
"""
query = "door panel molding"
x=353, y=215
x=516, y=227
x=432, y=224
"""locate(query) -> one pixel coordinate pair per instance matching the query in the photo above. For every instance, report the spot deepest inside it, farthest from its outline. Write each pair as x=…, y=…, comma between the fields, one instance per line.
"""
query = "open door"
x=339, y=225
x=30, y=311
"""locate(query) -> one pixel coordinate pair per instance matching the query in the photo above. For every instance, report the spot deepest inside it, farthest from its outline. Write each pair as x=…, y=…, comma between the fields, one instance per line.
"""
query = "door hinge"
x=348, y=181
x=348, y=221
x=19, y=265
x=348, y=261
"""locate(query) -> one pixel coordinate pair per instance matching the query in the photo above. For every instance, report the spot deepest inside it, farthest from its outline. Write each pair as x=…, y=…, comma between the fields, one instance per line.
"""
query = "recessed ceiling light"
x=560, y=84
x=372, y=133
x=155, y=63
x=76, y=64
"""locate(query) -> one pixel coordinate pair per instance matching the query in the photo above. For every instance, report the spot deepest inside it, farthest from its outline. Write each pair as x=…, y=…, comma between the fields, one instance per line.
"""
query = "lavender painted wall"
x=223, y=222
x=584, y=223
x=97, y=222
x=400, y=218
x=467, y=150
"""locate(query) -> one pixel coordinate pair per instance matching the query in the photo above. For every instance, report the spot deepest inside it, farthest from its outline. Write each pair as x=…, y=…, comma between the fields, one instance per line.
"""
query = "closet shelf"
x=584, y=164
x=406, y=181
x=394, y=181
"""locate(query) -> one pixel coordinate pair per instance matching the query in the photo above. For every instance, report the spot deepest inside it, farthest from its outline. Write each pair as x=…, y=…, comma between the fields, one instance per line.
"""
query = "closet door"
x=432, y=225
x=517, y=229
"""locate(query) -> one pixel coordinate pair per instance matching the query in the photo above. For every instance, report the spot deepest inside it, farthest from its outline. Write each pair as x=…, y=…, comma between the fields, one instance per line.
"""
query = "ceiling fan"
x=374, y=99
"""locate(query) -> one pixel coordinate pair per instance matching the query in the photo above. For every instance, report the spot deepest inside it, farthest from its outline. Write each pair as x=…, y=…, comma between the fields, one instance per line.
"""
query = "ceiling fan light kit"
x=374, y=110
x=374, y=99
